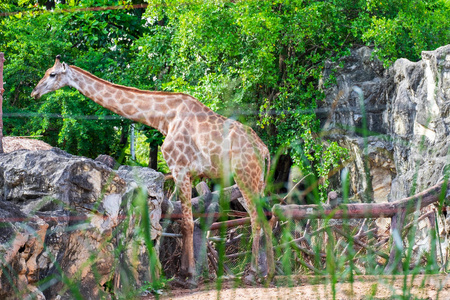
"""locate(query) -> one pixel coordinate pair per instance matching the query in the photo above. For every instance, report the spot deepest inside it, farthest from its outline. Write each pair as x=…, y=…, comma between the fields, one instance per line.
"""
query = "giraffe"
x=198, y=142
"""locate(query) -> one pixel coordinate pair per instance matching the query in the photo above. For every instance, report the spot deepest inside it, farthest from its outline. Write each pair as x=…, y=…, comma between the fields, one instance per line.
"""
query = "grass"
x=319, y=250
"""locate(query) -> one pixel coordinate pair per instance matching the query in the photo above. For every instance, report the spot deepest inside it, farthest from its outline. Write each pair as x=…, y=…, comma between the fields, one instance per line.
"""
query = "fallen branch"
x=199, y=204
x=359, y=243
x=294, y=188
x=361, y=210
x=409, y=225
x=307, y=251
x=239, y=254
x=382, y=242
x=216, y=257
x=213, y=262
x=230, y=223
x=309, y=266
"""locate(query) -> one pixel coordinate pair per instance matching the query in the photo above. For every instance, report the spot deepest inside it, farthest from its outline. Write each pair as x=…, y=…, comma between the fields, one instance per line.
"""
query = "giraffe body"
x=198, y=142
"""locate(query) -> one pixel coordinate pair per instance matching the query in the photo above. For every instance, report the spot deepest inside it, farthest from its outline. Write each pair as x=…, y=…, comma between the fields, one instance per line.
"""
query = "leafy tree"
x=256, y=61
x=261, y=61
x=406, y=28
x=99, y=41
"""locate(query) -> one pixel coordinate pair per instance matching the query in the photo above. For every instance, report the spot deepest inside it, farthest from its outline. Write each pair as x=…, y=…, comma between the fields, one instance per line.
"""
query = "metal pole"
x=133, y=143
x=2, y=59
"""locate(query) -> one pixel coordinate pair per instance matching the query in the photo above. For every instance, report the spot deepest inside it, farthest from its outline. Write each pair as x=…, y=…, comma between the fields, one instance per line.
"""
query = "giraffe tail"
x=266, y=171
x=266, y=174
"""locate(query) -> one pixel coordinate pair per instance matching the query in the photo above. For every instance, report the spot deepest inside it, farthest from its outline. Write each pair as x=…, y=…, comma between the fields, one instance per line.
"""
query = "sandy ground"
x=306, y=287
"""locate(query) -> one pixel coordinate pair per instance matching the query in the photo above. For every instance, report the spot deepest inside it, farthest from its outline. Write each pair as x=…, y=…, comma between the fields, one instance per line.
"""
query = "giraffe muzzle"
x=35, y=94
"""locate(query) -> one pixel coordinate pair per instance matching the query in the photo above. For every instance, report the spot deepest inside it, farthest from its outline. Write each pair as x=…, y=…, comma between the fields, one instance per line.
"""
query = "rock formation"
x=406, y=109
x=13, y=143
x=71, y=226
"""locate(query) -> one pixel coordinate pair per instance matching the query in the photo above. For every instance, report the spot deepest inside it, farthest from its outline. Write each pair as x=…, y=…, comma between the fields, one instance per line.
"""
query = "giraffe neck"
x=156, y=109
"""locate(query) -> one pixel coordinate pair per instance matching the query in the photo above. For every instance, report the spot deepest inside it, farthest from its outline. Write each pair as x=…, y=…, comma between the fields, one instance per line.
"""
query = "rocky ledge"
x=71, y=226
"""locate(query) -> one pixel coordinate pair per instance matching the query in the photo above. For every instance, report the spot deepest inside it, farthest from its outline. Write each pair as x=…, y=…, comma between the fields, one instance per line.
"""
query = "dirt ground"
x=307, y=287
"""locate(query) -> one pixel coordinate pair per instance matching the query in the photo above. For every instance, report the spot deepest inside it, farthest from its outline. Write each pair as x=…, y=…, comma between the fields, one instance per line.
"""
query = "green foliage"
x=144, y=137
x=256, y=61
x=259, y=62
x=406, y=28
x=97, y=41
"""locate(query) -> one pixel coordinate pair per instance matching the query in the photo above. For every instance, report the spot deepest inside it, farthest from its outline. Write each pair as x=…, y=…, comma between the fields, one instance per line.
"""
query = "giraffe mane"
x=123, y=87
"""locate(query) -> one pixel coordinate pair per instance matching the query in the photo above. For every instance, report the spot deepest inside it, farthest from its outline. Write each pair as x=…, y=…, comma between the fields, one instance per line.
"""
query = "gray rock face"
x=406, y=109
x=420, y=120
x=70, y=226
x=358, y=69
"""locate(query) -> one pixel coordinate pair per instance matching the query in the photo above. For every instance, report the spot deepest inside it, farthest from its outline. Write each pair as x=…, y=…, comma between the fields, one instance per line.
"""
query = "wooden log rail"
x=299, y=212
x=204, y=200
x=363, y=210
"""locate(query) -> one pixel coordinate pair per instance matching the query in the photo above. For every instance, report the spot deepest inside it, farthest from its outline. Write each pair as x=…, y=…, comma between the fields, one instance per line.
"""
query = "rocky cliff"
x=395, y=123
x=406, y=109
x=72, y=227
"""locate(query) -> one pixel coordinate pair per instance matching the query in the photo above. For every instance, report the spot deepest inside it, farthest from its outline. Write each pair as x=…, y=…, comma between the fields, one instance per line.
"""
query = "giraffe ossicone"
x=198, y=142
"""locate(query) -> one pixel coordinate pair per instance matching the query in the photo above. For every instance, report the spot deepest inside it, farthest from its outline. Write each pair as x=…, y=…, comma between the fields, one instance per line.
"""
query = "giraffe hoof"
x=188, y=283
x=191, y=284
x=254, y=278
x=250, y=279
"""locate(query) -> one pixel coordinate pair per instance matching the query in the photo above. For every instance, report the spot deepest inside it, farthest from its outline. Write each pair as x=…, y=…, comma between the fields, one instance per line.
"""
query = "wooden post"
x=395, y=256
x=2, y=59
x=200, y=234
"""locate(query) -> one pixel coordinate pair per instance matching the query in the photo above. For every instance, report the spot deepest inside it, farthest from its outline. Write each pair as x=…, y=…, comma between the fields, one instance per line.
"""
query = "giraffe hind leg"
x=187, y=229
x=262, y=262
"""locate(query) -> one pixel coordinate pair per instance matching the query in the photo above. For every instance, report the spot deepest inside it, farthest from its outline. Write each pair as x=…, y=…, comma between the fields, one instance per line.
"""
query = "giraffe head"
x=55, y=78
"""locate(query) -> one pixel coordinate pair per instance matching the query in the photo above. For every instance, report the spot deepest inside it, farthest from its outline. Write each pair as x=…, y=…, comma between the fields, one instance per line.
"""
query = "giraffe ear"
x=64, y=67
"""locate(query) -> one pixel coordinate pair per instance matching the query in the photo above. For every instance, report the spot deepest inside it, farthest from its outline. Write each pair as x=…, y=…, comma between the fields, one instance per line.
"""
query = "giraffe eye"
x=52, y=74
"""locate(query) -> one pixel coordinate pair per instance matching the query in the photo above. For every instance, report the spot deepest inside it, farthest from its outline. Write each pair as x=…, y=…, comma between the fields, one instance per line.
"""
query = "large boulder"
x=360, y=93
x=71, y=226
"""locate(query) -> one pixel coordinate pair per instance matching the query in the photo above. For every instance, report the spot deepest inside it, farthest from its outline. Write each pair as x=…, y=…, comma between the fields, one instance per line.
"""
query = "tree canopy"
x=259, y=62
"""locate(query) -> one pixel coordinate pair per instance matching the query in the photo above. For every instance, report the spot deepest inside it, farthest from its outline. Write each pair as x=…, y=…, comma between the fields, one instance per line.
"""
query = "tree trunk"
x=281, y=176
x=153, y=157
x=50, y=5
x=124, y=136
